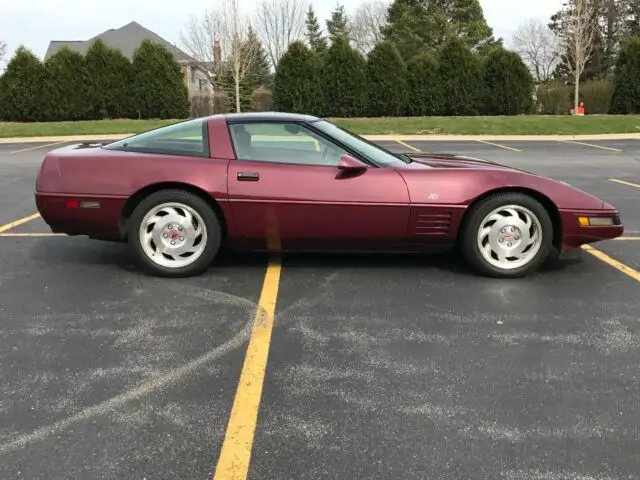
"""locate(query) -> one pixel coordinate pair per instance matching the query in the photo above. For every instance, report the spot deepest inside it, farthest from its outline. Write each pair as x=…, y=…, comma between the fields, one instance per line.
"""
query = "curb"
x=527, y=138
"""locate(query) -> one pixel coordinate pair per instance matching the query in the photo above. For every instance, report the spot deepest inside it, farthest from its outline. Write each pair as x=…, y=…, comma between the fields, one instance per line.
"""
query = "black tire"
x=211, y=224
x=469, y=231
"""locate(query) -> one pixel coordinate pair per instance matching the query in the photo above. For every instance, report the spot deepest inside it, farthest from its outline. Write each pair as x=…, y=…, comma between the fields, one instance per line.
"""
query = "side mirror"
x=350, y=167
x=347, y=162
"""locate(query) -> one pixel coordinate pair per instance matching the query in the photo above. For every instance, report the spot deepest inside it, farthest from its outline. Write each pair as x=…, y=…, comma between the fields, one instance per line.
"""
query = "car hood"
x=445, y=160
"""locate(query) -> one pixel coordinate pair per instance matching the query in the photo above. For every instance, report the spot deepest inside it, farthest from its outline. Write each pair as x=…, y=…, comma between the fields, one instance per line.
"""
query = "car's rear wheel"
x=507, y=235
x=175, y=233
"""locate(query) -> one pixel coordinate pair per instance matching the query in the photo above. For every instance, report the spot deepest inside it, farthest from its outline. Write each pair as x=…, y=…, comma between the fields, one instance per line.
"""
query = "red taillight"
x=73, y=204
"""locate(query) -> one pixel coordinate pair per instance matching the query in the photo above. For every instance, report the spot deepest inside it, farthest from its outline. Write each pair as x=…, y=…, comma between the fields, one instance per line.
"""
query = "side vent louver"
x=433, y=224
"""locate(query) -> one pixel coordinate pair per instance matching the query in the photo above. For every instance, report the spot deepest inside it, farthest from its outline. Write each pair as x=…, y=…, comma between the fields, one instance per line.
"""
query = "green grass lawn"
x=519, y=125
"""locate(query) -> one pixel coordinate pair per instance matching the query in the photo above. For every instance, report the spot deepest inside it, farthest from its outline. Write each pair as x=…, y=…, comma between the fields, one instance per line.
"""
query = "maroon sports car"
x=277, y=181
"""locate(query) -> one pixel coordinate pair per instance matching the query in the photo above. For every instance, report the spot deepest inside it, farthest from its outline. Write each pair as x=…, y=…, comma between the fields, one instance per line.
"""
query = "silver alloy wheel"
x=173, y=235
x=510, y=237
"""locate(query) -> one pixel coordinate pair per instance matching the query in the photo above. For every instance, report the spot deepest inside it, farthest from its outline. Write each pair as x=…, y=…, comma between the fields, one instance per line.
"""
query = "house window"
x=203, y=84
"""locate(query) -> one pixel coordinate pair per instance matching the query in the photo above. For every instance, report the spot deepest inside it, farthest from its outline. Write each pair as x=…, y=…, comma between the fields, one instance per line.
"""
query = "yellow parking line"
x=591, y=145
x=39, y=146
x=408, y=146
x=498, y=145
x=235, y=454
x=612, y=262
x=626, y=239
x=622, y=182
x=9, y=226
x=32, y=235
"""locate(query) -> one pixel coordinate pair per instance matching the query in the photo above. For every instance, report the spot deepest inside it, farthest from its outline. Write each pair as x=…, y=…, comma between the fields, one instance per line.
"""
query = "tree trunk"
x=237, y=82
x=576, y=99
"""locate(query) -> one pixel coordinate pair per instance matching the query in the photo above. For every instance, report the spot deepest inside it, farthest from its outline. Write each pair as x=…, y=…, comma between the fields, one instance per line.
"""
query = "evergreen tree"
x=423, y=81
x=22, y=92
x=68, y=85
x=314, y=36
x=159, y=88
x=386, y=81
x=459, y=72
x=507, y=84
x=259, y=70
x=110, y=83
x=415, y=24
x=344, y=81
x=338, y=24
x=626, y=96
x=294, y=80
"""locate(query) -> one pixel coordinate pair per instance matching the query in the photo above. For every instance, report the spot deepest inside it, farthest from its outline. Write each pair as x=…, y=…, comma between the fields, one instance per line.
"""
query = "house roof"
x=126, y=39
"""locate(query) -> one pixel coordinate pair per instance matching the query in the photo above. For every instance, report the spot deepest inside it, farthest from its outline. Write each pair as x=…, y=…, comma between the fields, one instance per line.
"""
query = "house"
x=128, y=38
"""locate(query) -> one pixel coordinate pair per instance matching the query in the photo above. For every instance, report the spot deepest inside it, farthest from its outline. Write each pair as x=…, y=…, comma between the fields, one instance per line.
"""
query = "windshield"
x=370, y=150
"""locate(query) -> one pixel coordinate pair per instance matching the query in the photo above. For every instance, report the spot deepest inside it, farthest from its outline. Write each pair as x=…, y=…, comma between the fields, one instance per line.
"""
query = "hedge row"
x=101, y=84
x=340, y=82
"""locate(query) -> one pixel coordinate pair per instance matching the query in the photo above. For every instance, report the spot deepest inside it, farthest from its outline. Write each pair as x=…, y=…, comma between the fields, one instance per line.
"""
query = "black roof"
x=270, y=116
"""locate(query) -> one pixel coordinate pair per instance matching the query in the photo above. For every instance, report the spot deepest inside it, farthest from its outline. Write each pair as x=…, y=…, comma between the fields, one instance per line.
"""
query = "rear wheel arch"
x=546, y=202
x=135, y=199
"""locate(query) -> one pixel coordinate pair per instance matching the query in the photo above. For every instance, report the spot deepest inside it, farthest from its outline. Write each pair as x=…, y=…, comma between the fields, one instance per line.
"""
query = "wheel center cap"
x=509, y=236
x=174, y=235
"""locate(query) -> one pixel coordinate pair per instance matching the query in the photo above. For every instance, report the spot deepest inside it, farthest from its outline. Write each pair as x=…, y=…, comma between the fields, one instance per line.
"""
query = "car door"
x=287, y=192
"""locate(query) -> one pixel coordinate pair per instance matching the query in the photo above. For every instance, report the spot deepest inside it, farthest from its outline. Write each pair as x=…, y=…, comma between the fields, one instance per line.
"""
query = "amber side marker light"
x=595, y=221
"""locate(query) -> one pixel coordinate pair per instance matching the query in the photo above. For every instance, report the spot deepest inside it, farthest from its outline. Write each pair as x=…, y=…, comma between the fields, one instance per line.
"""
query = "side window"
x=189, y=138
x=283, y=143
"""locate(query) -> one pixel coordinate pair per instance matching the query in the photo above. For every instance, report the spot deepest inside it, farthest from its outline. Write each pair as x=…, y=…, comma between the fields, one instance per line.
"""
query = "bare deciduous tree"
x=199, y=36
x=279, y=23
x=235, y=33
x=3, y=50
x=365, y=24
x=577, y=37
x=539, y=48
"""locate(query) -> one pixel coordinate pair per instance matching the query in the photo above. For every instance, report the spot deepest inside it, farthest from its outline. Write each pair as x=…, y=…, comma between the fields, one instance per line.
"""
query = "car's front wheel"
x=507, y=235
x=174, y=233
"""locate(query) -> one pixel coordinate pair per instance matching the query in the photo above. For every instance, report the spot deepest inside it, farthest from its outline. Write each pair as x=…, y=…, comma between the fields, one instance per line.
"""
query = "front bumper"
x=599, y=225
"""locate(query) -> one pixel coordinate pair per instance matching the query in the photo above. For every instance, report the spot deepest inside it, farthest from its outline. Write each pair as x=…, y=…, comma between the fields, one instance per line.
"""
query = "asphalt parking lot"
x=378, y=367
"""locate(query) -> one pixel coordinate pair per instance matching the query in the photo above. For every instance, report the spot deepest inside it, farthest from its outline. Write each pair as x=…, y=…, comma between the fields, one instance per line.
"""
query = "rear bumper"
x=576, y=235
x=96, y=223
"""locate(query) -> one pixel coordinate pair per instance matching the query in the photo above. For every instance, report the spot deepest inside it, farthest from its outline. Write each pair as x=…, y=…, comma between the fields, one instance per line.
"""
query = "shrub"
x=294, y=80
x=626, y=96
x=386, y=81
x=262, y=100
x=344, y=82
x=67, y=87
x=23, y=88
x=159, y=89
x=554, y=99
x=110, y=83
x=458, y=73
x=597, y=95
x=507, y=84
x=423, y=83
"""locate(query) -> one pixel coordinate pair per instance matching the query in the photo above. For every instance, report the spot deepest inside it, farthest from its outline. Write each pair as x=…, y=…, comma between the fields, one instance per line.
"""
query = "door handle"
x=248, y=176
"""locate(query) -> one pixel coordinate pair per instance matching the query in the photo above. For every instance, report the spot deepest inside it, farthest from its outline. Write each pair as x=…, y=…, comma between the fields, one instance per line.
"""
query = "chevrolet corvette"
x=289, y=182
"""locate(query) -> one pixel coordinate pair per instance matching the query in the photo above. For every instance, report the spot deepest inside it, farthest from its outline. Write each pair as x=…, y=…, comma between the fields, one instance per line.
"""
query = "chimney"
x=217, y=57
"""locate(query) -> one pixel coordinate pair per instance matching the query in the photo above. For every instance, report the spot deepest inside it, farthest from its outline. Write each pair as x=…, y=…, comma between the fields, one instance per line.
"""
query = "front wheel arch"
x=135, y=199
x=547, y=203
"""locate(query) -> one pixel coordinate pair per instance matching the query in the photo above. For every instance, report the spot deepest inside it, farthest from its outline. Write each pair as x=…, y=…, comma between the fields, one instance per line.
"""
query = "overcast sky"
x=34, y=23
